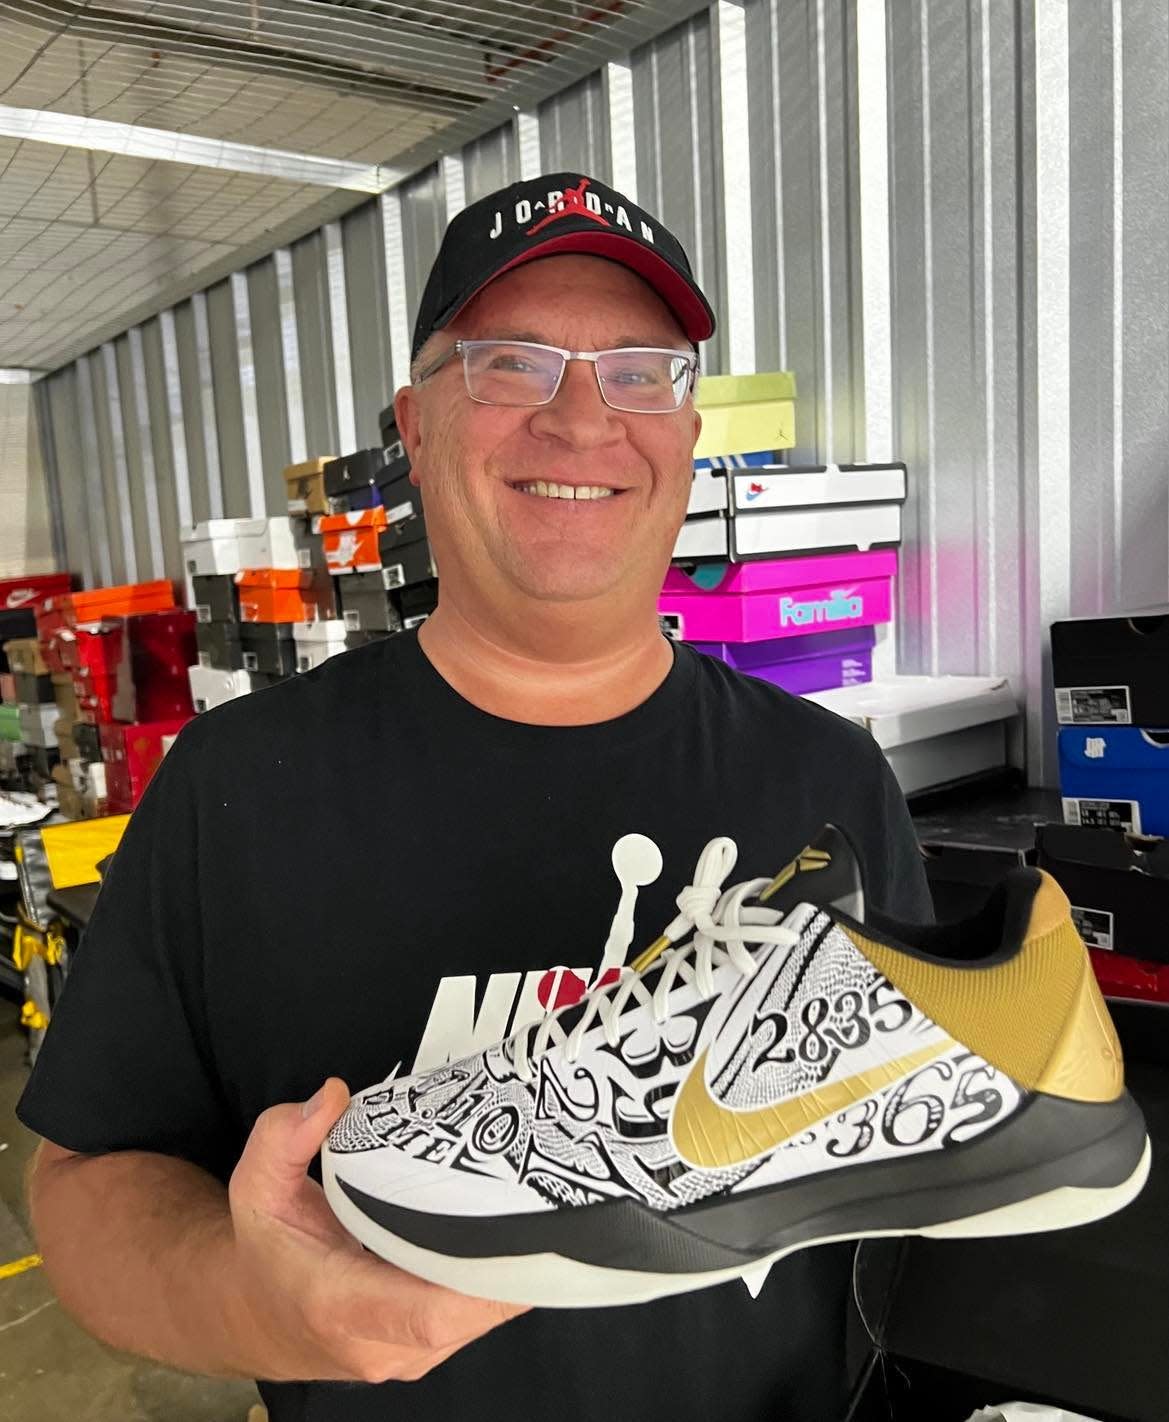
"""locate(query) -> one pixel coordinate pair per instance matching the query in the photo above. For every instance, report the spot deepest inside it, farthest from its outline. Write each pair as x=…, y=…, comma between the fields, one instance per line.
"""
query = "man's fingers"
x=282, y=1144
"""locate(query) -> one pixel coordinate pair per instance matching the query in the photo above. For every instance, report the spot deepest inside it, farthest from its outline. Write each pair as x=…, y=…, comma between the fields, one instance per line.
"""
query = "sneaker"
x=778, y=1070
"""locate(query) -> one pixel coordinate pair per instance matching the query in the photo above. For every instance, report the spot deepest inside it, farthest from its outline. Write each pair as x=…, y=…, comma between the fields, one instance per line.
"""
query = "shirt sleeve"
x=126, y=1063
x=901, y=889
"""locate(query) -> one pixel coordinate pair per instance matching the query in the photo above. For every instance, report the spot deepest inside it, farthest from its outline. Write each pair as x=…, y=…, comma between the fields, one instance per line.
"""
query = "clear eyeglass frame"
x=680, y=386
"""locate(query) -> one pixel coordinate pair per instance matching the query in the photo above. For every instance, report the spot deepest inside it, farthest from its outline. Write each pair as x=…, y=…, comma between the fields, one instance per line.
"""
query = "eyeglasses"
x=639, y=380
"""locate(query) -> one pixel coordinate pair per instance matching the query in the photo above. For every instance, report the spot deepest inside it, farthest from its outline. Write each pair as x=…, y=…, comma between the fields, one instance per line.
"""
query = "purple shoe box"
x=816, y=661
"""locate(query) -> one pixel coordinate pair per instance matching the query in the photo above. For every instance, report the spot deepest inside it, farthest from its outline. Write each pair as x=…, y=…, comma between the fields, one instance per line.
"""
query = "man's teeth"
x=566, y=491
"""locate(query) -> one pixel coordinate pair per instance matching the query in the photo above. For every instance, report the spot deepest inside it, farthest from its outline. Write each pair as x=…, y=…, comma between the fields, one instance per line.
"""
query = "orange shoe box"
x=276, y=595
x=83, y=607
x=351, y=540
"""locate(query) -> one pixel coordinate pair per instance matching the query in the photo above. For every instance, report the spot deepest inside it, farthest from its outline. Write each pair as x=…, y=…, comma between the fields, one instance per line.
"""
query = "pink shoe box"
x=783, y=597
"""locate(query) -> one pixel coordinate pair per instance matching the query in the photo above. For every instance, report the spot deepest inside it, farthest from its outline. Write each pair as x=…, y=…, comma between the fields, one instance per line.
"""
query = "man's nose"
x=577, y=415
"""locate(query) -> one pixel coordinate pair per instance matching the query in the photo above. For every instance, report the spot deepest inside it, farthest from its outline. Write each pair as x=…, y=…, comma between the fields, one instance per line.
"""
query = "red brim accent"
x=680, y=295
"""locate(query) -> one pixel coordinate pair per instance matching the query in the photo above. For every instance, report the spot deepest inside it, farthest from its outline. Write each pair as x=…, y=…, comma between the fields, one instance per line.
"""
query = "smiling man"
x=402, y=856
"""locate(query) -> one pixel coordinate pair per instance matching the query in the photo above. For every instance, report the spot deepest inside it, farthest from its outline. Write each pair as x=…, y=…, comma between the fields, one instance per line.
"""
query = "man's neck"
x=551, y=667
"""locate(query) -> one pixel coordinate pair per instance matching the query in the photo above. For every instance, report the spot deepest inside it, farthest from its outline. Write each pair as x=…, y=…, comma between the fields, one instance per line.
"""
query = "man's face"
x=474, y=460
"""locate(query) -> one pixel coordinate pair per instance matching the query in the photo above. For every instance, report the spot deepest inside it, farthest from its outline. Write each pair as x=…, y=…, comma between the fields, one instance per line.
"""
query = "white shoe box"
x=316, y=642
x=228, y=545
x=37, y=724
x=212, y=687
x=932, y=729
x=783, y=532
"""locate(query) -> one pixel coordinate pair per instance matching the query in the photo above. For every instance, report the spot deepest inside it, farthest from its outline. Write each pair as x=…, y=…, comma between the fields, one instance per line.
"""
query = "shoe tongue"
x=826, y=874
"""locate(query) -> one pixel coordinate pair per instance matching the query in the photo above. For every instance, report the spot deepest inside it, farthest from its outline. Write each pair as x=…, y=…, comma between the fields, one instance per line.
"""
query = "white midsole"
x=552, y=1281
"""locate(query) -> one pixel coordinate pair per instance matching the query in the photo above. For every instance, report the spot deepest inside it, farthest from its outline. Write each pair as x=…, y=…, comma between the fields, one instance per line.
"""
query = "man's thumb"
x=285, y=1139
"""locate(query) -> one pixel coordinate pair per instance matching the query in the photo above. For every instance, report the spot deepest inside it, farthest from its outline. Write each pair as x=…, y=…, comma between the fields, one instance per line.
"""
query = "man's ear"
x=408, y=413
x=697, y=426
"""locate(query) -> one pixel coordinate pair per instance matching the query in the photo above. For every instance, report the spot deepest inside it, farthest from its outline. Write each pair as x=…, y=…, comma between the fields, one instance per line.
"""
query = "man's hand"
x=318, y=1305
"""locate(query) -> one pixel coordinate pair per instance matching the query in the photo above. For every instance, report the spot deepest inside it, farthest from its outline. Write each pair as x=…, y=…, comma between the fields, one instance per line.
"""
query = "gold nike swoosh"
x=712, y=1137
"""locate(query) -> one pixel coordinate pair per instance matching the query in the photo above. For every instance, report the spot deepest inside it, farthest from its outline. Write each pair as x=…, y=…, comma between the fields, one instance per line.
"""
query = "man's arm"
x=154, y=1256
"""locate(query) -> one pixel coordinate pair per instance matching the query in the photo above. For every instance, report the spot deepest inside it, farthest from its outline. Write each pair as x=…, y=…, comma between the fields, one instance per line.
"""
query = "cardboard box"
x=305, y=486
x=367, y=605
x=785, y=597
x=932, y=730
x=33, y=690
x=16, y=626
x=64, y=695
x=211, y=687
x=350, y=540
x=781, y=532
x=36, y=725
x=25, y=657
x=1115, y=777
x=355, y=476
x=1112, y=670
x=227, y=545
x=65, y=742
x=8, y=687
x=405, y=565
x=316, y=642
x=820, y=661
x=216, y=597
x=72, y=803
x=219, y=646
x=275, y=595
x=1118, y=885
x=743, y=413
x=268, y=647
x=132, y=753
x=32, y=589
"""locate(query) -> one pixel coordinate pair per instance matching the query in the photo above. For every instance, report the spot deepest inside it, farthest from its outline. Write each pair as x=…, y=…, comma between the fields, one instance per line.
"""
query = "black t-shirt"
x=358, y=869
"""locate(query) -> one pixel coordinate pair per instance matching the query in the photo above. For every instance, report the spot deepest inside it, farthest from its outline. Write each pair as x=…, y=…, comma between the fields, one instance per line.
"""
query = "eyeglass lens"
x=511, y=373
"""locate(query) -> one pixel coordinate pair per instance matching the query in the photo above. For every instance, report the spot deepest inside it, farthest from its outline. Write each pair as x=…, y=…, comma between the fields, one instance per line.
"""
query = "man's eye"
x=512, y=363
x=638, y=375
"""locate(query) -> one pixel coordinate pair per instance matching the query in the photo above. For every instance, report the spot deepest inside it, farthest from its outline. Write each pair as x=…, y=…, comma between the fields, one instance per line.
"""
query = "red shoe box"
x=1137, y=979
x=132, y=754
x=31, y=591
x=276, y=595
x=50, y=621
x=162, y=647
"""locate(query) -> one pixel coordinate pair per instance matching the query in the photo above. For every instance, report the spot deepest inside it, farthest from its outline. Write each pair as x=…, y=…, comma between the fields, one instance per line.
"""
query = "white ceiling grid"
x=86, y=236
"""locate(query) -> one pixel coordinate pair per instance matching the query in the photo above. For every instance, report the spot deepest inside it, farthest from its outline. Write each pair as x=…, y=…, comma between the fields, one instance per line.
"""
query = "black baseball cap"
x=556, y=213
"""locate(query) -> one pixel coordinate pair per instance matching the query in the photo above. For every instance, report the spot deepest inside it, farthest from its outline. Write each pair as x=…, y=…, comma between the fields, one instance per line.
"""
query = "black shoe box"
x=367, y=605
x=388, y=425
x=363, y=639
x=1112, y=670
x=417, y=602
x=216, y=597
x=16, y=623
x=310, y=557
x=403, y=566
x=219, y=645
x=356, y=477
x=87, y=738
x=1118, y=885
x=268, y=647
x=405, y=521
x=32, y=690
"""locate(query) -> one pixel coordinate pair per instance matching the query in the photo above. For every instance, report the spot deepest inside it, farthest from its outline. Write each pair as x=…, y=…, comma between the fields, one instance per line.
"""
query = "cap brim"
x=681, y=295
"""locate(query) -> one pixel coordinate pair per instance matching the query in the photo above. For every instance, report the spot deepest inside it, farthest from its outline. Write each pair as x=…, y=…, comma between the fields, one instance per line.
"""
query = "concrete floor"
x=50, y=1371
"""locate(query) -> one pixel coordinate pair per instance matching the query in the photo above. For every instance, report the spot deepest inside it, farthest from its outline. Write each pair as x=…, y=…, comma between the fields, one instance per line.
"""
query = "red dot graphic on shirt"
x=560, y=987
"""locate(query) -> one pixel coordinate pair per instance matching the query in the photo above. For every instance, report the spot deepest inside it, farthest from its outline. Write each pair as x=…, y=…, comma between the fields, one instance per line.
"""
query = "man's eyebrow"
x=621, y=343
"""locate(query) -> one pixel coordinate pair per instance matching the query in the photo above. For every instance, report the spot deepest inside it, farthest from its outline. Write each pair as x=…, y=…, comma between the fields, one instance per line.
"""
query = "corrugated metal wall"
x=950, y=221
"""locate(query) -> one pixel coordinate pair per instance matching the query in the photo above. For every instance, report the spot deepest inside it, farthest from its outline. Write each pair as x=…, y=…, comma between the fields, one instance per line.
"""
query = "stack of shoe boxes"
x=26, y=694
x=783, y=572
x=1111, y=678
x=260, y=557
x=124, y=652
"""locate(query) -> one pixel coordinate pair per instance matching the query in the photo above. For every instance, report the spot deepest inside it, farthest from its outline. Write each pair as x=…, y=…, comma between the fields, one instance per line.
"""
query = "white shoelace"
x=722, y=928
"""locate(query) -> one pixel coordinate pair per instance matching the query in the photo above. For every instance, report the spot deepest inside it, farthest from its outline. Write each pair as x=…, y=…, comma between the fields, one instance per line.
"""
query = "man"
x=380, y=862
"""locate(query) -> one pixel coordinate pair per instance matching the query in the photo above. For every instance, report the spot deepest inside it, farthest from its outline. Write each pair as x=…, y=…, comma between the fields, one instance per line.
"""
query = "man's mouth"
x=581, y=493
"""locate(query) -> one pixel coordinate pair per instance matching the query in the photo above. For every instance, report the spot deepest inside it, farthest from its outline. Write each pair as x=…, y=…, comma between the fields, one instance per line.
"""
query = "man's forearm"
x=139, y=1250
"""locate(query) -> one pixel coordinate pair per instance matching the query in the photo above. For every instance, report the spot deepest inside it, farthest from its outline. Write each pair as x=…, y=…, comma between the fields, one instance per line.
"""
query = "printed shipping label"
x=1104, y=814
x=1094, y=926
x=399, y=512
x=1093, y=706
x=671, y=625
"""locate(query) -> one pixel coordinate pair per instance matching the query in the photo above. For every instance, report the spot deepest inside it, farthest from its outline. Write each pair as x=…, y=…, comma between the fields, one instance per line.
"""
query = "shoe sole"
x=715, y=1231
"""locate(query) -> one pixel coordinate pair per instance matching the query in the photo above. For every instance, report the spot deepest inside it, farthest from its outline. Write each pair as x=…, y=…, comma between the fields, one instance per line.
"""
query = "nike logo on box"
x=711, y=1136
